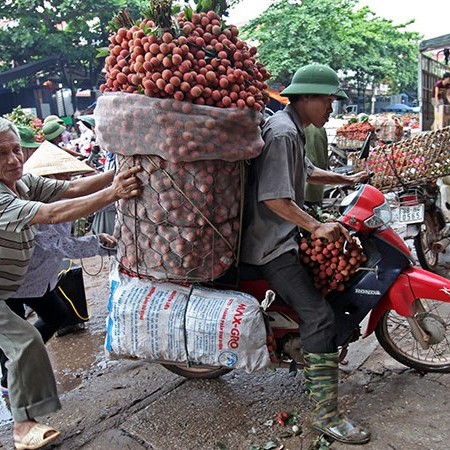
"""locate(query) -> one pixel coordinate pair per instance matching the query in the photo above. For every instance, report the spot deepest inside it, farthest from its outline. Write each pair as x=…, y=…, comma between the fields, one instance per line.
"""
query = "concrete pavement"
x=135, y=405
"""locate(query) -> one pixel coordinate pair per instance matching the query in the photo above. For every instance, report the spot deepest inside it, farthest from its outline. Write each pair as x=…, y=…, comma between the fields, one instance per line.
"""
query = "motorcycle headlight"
x=382, y=216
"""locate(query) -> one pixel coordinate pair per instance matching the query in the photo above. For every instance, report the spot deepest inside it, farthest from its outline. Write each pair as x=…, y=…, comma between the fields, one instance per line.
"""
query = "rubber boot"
x=321, y=383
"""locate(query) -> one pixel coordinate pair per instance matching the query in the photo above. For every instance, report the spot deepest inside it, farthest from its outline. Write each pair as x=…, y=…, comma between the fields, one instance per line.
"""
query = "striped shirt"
x=16, y=233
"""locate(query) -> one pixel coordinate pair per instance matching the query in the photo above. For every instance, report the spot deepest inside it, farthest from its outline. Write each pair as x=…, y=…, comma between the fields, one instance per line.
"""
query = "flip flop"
x=35, y=438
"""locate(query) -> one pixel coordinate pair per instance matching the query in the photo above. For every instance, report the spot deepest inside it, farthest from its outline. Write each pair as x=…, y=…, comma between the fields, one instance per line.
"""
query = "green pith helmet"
x=26, y=135
x=53, y=129
x=88, y=121
x=52, y=118
x=315, y=79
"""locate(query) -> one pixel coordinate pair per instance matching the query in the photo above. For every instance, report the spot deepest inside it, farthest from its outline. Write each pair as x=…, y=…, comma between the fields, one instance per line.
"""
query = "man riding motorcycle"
x=273, y=216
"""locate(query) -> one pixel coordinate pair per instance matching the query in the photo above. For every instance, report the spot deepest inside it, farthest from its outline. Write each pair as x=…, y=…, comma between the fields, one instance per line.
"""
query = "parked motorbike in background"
x=420, y=211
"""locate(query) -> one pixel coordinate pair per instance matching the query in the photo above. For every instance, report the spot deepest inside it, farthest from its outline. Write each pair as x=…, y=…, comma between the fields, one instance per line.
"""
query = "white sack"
x=169, y=322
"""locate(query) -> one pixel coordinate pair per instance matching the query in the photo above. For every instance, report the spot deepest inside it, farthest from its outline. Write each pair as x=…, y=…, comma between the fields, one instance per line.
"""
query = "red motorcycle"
x=409, y=307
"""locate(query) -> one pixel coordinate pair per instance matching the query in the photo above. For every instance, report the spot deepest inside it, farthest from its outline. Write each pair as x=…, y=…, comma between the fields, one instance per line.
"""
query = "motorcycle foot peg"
x=293, y=368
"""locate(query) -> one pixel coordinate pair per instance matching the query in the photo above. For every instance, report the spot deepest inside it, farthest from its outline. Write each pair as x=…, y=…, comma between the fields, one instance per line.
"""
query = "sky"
x=431, y=17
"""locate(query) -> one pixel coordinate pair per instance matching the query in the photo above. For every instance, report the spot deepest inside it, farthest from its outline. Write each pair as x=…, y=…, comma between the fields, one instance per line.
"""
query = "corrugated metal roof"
x=435, y=43
x=28, y=69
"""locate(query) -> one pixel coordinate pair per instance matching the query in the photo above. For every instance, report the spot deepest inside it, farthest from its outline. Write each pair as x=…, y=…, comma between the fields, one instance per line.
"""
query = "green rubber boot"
x=321, y=383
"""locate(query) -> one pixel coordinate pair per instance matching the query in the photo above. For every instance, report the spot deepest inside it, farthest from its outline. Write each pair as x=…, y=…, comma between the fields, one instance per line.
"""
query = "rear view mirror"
x=364, y=152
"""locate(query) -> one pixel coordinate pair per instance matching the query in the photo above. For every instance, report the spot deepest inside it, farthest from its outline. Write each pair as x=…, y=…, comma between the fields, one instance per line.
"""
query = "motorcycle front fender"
x=412, y=283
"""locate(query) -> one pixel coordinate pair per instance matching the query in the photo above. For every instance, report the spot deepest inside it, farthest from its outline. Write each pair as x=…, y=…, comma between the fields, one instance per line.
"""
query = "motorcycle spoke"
x=394, y=334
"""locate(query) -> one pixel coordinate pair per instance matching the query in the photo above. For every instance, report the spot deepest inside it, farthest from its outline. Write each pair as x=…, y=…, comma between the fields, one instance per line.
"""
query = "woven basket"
x=352, y=135
x=414, y=161
x=348, y=144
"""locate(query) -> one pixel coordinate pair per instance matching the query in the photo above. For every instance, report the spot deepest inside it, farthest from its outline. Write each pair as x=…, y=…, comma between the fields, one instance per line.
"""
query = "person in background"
x=94, y=157
x=53, y=243
x=66, y=136
x=53, y=117
x=88, y=121
x=53, y=131
x=441, y=96
x=273, y=219
x=441, y=90
x=86, y=125
x=27, y=141
x=316, y=149
x=25, y=202
x=104, y=220
x=86, y=131
x=441, y=100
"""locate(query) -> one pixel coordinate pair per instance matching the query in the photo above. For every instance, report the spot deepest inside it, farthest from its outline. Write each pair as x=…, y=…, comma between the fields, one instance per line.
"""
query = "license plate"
x=411, y=214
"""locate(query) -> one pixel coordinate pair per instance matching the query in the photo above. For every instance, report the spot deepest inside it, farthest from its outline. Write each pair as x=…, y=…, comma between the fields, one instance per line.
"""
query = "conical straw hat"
x=49, y=159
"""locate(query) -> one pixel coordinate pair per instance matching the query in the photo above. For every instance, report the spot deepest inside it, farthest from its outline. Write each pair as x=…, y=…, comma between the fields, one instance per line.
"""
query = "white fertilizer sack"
x=163, y=321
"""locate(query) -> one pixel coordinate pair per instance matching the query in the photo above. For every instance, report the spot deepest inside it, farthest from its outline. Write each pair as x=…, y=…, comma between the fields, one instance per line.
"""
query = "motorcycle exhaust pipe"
x=440, y=246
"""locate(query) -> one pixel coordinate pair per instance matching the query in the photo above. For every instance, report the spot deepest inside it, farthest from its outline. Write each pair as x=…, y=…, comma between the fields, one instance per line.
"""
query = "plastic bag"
x=133, y=124
x=388, y=129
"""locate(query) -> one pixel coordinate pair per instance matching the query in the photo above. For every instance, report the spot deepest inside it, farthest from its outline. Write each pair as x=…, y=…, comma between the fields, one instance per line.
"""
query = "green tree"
x=369, y=50
x=70, y=29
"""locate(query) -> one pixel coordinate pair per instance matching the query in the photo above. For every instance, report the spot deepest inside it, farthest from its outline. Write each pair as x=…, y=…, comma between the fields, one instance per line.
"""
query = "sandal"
x=37, y=437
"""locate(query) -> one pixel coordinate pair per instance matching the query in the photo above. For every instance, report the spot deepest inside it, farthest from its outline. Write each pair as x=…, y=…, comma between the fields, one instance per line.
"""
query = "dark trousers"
x=294, y=285
x=51, y=312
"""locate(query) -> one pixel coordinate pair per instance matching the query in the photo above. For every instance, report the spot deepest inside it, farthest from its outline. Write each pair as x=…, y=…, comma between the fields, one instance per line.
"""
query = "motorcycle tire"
x=428, y=259
x=394, y=334
x=197, y=372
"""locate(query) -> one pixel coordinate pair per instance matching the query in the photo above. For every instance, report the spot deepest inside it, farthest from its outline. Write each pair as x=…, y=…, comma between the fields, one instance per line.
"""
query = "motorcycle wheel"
x=394, y=334
x=423, y=242
x=197, y=372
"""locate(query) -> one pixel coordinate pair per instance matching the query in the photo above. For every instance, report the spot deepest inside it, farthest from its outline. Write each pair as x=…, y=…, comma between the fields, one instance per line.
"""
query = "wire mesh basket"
x=185, y=226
